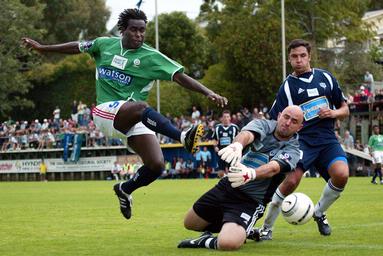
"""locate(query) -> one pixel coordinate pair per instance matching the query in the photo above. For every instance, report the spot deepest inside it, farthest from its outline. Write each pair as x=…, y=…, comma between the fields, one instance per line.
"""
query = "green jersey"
x=127, y=74
x=376, y=142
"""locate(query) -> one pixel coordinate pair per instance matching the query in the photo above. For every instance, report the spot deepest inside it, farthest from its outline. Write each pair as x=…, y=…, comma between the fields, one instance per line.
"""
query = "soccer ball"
x=297, y=208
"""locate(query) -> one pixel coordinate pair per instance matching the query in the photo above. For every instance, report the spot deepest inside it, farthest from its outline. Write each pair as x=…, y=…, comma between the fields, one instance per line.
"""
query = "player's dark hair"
x=297, y=43
x=226, y=111
x=373, y=127
x=130, y=14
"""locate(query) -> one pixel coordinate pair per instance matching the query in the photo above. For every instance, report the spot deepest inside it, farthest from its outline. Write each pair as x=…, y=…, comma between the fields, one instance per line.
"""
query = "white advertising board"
x=85, y=164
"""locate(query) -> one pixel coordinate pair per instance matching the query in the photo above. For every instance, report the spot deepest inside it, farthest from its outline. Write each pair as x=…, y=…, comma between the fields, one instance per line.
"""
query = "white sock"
x=273, y=210
x=182, y=139
x=329, y=195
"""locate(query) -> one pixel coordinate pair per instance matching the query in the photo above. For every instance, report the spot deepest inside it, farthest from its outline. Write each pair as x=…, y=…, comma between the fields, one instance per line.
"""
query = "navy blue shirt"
x=225, y=135
x=311, y=91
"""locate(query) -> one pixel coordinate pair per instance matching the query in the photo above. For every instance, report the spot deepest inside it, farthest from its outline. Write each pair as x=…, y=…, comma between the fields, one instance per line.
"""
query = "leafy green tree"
x=247, y=36
x=174, y=99
x=351, y=75
x=58, y=84
x=68, y=20
x=181, y=40
x=58, y=81
x=375, y=5
x=17, y=20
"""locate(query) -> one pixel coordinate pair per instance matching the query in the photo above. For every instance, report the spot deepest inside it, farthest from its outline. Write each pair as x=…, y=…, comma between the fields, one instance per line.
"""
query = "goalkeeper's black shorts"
x=223, y=204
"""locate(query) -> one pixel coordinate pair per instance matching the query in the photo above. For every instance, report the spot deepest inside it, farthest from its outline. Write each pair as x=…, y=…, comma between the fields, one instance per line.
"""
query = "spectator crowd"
x=49, y=132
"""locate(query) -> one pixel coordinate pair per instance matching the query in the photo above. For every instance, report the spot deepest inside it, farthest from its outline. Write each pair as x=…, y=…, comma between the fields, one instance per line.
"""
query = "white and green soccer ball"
x=297, y=208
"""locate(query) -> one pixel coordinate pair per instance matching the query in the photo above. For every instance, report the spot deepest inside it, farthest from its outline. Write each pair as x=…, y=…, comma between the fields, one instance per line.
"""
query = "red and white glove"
x=232, y=153
x=240, y=174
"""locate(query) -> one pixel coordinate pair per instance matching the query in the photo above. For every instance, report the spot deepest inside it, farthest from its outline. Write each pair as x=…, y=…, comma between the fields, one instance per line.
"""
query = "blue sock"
x=143, y=177
x=160, y=124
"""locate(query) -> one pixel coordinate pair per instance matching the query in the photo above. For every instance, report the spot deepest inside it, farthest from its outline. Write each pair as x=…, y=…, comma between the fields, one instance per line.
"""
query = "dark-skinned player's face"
x=134, y=35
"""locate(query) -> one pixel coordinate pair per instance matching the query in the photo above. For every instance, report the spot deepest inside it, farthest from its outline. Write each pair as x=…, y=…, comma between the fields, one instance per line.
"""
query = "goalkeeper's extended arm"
x=233, y=153
x=241, y=174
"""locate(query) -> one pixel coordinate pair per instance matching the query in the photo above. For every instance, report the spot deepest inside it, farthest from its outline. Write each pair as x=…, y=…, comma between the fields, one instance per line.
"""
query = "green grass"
x=82, y=218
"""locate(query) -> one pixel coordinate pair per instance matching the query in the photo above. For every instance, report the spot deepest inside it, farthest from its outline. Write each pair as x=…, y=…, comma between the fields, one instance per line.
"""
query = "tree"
x=247, y=37
x=68, y=20
x=249, y=49
x=171, y=95
x=57, y=81
x=375, y=5
x=181, y=40
x=17, y=20
x=351, y=75
x=58, y=84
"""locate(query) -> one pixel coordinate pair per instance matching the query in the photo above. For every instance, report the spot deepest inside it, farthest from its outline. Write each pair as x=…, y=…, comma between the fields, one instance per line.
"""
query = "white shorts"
x=103, y=117
x=377, y=157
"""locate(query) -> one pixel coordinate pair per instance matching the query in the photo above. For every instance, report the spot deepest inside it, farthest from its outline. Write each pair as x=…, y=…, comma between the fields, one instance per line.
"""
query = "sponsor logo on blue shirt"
x=114, y=75
x=311, y=108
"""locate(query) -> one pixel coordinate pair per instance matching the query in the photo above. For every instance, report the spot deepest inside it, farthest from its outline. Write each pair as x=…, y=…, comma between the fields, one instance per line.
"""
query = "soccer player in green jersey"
x=125, y=70
x=375, y=143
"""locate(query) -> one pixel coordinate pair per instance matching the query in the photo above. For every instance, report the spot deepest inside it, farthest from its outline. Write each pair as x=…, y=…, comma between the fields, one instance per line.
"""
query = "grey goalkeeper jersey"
x=267, y=147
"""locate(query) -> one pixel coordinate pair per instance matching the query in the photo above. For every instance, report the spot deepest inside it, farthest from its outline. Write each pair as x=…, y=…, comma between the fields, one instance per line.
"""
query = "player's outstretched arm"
x=68, y=48
x=192, y=84
x=233, y=153
x=240, y=174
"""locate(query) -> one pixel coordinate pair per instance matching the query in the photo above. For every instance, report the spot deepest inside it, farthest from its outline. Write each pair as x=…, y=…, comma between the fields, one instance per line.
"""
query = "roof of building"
x=372, y=14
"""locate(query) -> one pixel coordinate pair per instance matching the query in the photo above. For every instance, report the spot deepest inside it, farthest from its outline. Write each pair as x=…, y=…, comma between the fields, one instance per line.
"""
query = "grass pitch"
x=83, y=218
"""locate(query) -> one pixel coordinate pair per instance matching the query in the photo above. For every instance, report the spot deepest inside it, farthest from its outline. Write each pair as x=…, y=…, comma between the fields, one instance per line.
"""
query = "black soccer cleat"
x=192, y=136
x=126, y=201
x=260, y=234
x=323, y=226
x=196, y=242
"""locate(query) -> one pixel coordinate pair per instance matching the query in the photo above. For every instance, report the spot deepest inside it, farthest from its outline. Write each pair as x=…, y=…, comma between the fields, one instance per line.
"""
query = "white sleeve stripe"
x=288, y=94
x=79, y=47
x=175, y=71
x=329, y=79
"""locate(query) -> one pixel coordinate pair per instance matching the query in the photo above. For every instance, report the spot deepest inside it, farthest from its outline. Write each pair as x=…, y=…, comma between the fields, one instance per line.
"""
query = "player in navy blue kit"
x=224, y=134
x=318, y=94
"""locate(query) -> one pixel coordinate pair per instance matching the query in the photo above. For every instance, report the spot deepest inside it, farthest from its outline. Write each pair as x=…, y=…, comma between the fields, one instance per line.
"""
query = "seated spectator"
x=166, y=171
x=116, y=169
x=23, y=139
x=348, y=140
x=189, y=168
x=179, y=168
x=5, y=142
x=100, y=138
x=125, y=171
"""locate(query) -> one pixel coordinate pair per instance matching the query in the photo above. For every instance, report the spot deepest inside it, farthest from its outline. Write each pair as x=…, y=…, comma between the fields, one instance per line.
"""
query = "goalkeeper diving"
x=260, y=156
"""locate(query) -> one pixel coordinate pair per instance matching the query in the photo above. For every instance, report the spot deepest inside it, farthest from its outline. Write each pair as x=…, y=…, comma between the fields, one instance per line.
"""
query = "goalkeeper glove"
x=231, y=153
x=240, y=174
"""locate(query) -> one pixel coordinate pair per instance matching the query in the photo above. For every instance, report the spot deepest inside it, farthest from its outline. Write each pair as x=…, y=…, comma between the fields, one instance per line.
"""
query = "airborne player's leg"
x=131, y=113
x=113, y=120
x=147, y=147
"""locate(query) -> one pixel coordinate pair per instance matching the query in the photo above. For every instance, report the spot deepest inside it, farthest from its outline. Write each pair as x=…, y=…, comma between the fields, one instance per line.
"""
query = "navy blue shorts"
x=321, y=157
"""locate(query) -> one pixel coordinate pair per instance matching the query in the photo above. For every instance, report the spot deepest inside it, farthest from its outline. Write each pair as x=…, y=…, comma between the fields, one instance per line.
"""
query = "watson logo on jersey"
x=114, y=75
